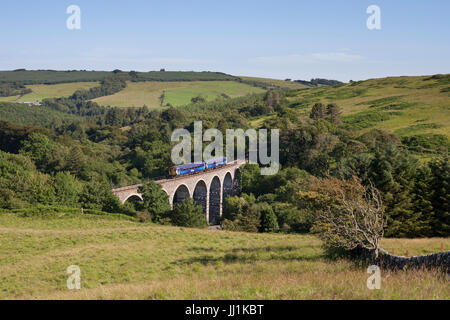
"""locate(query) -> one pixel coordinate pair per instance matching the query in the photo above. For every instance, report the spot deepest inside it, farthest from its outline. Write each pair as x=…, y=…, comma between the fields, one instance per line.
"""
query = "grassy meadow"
x=177, y=93
x=124, y=259
x=44, y=91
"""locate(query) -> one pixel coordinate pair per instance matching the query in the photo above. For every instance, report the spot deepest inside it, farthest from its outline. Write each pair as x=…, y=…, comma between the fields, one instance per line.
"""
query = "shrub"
x=366, y=119
x=232, y=207
x=269, y=221
x=143, y=216
x=155, y=200
x=188, y=214
x=427, y=142
x=67, y=188
x=293, y=219
x=97, y=195
x=247, y=221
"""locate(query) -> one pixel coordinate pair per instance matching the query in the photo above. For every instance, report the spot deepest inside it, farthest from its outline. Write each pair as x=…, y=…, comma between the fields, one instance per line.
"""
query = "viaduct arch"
x=208, y=189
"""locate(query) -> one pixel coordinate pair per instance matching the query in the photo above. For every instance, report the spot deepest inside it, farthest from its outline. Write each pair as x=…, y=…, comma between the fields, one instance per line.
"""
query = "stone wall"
x=388, y=261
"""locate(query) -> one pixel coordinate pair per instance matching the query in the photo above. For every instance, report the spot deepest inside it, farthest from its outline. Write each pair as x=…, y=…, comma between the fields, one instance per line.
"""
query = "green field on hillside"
x=412, y=105
x=124, y=259
x=403, y=105
x=178, y=93
x=43, y=91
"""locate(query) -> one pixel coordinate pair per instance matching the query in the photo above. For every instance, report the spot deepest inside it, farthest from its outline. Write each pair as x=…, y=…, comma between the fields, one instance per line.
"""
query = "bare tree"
x=349, y=215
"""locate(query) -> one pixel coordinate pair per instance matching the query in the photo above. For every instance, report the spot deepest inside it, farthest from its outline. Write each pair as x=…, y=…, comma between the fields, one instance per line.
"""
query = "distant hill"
x=416, y=109
x=268, y=83
x=319, y=82
x=53, y=76
x=153, y=89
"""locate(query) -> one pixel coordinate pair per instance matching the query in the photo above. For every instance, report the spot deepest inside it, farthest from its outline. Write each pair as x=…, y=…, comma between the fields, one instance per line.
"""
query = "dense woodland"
x=318, y=82
x=23, y=76
x=70, y=152
x=13, y=89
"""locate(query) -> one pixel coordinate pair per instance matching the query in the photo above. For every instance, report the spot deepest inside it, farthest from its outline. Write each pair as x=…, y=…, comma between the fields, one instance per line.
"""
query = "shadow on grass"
x=353, y=256
x=243, y=255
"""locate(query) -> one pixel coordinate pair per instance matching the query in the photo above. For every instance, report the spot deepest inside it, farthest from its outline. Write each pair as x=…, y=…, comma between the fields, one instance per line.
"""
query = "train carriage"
x=211, y=164
x=197, y=167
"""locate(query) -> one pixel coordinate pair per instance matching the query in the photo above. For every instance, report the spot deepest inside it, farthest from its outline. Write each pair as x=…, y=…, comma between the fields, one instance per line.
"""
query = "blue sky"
x=280, y=39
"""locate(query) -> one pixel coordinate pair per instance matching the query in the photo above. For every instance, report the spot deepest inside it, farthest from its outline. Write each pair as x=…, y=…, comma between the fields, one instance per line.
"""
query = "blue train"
x=197, y=167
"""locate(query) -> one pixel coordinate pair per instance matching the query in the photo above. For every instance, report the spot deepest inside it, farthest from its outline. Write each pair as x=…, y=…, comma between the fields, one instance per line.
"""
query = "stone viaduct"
x=208, y=188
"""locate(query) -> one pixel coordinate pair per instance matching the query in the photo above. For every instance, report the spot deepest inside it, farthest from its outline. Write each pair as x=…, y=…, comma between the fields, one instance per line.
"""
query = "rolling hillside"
x=137, y=94
x=409, y=105
x=123, y=259
x=406, y=106
x=143, y=88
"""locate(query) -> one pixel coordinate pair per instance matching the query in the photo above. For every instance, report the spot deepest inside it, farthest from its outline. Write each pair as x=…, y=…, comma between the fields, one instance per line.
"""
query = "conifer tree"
x=440, y=184
x=318, y=111
x=334, y=113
